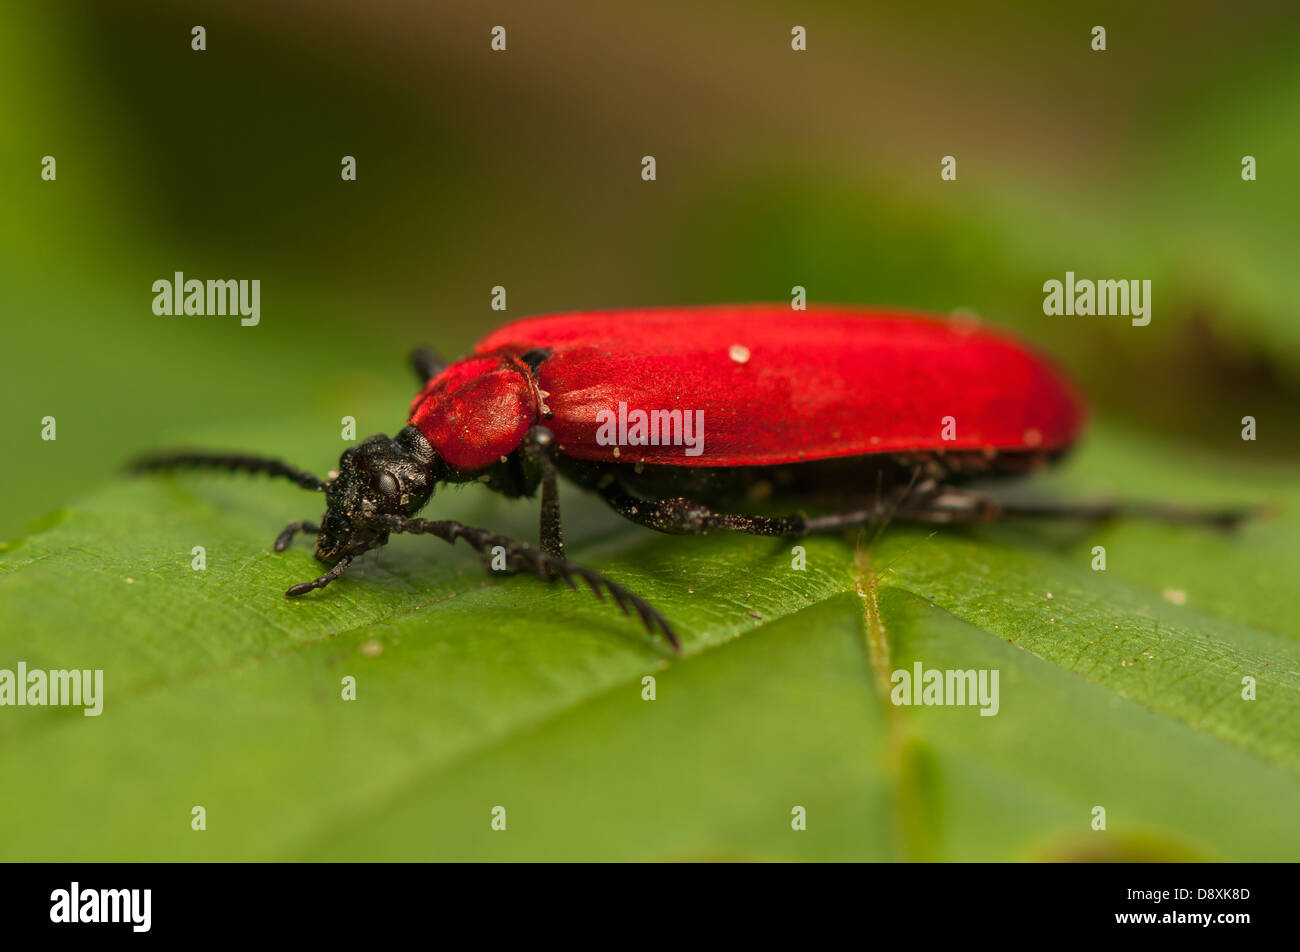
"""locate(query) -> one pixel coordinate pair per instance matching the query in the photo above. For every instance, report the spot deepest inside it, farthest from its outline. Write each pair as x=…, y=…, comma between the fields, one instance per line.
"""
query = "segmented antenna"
x=185, y=459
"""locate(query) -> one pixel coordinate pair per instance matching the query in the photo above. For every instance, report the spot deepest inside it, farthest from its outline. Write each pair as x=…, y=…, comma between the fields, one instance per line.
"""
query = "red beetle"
x=691, y=419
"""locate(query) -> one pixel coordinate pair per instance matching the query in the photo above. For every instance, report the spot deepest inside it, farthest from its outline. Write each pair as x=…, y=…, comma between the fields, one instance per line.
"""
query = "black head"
x=379, y=487
x=380, y=476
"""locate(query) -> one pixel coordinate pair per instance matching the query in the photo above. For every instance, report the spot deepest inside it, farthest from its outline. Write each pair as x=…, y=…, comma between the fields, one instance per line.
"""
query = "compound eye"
x=386, y=485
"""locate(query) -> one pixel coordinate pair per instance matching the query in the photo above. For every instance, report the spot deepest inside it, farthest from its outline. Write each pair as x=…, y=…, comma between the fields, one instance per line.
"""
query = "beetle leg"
x=947, y=504
x=292, y=529
x=304, y=587
x=913, y=496
x=965, y=505
x=539, y=450
x=681, y=516
x=544, y=565
x=927, y=502
x=427, y=364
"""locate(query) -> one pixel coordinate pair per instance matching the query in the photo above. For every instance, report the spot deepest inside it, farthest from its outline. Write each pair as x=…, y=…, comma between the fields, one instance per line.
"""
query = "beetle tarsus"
x=285, y=538
x=541, y=564
x=302, y=588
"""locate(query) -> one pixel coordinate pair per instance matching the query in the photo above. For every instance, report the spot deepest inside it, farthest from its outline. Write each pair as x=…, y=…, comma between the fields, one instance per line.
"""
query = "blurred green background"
x=522, y=169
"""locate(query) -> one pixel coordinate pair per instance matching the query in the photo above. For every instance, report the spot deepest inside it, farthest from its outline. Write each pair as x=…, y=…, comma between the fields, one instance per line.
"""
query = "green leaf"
x=474, y=692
